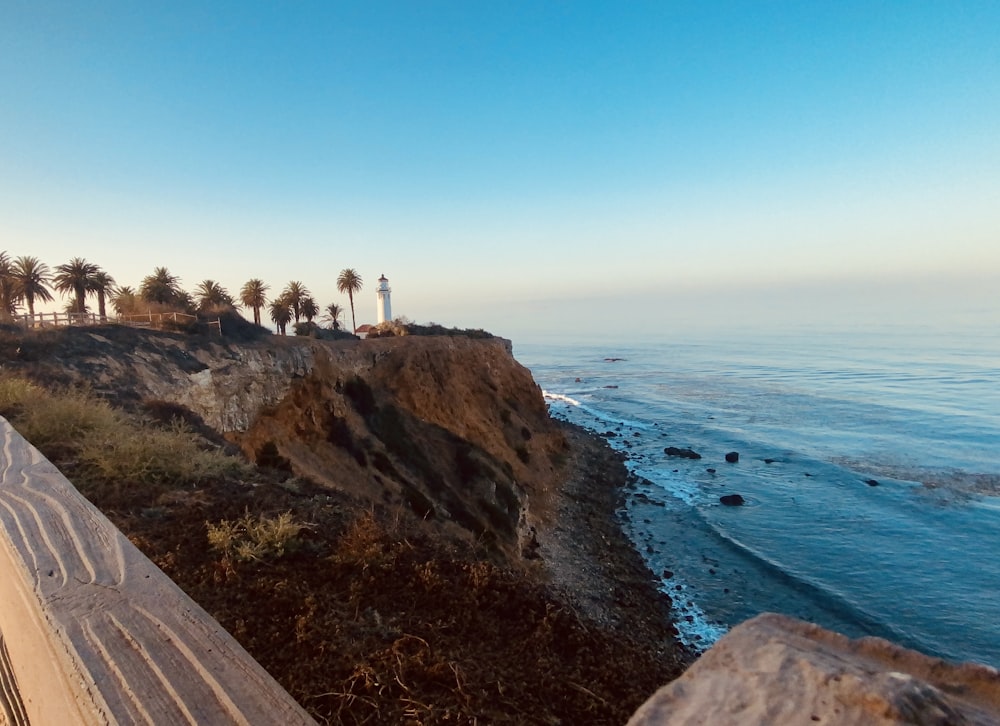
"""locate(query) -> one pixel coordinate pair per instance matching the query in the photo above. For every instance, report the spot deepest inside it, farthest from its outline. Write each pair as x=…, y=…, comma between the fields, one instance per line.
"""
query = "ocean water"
x=869, y=463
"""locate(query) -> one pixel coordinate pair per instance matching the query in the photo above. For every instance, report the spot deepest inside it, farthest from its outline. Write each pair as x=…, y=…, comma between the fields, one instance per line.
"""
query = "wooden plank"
x=92, y=632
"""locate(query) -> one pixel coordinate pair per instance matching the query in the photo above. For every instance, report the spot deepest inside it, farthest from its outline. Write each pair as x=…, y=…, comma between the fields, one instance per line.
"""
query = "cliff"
x=455, y=555
x=453, y=428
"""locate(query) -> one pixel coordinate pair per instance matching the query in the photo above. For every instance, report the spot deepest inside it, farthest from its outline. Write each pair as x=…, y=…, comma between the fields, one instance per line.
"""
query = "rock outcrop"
x=776, y=670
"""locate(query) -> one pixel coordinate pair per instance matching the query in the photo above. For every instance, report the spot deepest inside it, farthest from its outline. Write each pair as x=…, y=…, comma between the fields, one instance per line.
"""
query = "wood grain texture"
x=94, y=633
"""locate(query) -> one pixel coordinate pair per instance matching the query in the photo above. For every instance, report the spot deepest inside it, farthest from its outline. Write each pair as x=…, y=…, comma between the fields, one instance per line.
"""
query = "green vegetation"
x=401, y=326
x=349, y=281
x=25, y=280
x=76, y=278
x=31, y=278
x=253, y=296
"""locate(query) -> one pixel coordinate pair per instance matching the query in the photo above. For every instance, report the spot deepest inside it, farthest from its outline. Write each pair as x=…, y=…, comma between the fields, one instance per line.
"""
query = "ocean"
x=869, y=465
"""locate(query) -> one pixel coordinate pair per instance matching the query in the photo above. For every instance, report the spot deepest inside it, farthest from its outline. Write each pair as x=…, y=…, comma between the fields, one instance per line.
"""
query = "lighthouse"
x=384, y=306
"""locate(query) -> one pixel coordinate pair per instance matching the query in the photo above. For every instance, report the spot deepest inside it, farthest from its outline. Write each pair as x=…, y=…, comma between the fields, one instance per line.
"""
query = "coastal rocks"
x=732, y=500
x=871, y=482
x=682, y=453
x=732, y=457
x=775, y=670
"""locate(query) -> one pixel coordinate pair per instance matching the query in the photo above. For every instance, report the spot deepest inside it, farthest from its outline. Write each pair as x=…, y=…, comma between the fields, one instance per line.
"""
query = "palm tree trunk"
x=354, y=322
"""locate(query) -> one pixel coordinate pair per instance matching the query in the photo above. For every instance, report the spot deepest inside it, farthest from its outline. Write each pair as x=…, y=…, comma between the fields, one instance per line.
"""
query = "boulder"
x=732, y=500
x=683, y=453
x=732, y=457
x=777, y=670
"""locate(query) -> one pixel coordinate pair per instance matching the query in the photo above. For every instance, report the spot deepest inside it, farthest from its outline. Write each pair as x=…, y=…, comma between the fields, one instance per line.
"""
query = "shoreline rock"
x=773, y=669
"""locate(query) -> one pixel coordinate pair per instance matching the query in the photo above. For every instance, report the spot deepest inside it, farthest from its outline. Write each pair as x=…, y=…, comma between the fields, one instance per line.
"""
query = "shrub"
x=53, y=422
x=107, y=447
x=249, y=539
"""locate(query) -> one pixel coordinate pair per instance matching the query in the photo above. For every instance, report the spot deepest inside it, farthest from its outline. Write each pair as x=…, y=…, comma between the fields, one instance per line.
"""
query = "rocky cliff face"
x=452, y=428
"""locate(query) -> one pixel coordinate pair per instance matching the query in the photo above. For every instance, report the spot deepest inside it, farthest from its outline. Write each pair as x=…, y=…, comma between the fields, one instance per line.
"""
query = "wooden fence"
x=137, y=320
x=91, y=632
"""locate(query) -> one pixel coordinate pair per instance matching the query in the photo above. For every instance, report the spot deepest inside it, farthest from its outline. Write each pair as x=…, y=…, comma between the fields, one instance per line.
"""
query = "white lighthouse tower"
x=384, y=306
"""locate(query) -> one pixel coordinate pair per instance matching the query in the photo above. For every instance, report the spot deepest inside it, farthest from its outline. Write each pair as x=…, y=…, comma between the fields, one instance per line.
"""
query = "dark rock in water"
x=683, y=453
x=871, y=482
x=667, y=574
x=636, y=433
x=732, y=457
x=808, y=474
x=577, y=380
x=710, y=471
x=611, y=386
x=768, y=461
x=609, y=434
x=732, y=500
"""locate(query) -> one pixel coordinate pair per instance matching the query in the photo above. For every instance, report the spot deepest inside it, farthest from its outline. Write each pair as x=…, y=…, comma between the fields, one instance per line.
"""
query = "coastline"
x=592, y=564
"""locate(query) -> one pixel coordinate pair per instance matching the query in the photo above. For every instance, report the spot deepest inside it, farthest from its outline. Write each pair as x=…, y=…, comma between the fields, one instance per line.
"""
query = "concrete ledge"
x=92, y=632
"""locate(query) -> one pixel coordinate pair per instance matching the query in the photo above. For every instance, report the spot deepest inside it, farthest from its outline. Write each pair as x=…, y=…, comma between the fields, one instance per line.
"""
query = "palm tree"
x=30, y=279
x=309, y=308
x=209, y=294
x=101, y=283
x=349, y=281
x=281, y=314
x=161, y=287
x=185, y=302
x=124, y=300
x=333, y=313
x=294, y=293
x=252, y=296
x=75, y=278
x=8, y=289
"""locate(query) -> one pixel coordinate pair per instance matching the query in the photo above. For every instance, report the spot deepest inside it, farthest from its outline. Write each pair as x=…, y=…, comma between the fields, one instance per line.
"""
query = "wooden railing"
x=45, y=320
x=137, y=320
x=91, y=632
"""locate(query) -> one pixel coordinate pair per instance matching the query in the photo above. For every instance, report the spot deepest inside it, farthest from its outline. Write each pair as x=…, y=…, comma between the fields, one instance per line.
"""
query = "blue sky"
x=526, y=167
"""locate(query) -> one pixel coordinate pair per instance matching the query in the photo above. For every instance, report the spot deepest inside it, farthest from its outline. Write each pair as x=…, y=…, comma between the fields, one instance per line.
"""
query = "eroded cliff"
x=451, y=427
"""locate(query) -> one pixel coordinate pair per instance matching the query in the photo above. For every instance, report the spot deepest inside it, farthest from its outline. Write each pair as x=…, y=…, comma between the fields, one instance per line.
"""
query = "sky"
x=533, y=168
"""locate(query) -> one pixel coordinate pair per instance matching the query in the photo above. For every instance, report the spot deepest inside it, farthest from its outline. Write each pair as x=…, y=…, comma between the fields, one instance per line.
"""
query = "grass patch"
x=105, y=450
x=256, y=539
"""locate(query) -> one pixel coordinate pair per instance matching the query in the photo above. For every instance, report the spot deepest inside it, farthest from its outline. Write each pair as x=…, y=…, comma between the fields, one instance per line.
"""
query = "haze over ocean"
x=817, y=419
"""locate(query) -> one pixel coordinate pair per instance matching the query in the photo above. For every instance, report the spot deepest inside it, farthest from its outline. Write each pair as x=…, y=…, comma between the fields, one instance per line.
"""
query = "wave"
x=560, y=397
x=598, y=414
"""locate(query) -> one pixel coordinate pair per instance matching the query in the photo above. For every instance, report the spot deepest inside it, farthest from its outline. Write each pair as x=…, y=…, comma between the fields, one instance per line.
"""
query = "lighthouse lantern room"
x=384, y=306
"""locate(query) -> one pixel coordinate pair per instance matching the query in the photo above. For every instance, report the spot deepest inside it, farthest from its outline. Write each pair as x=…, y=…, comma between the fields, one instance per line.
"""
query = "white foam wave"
x=560, y=397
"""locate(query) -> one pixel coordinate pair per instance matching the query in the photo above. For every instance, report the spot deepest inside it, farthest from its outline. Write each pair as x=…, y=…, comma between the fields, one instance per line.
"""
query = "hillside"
x=458, y=558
